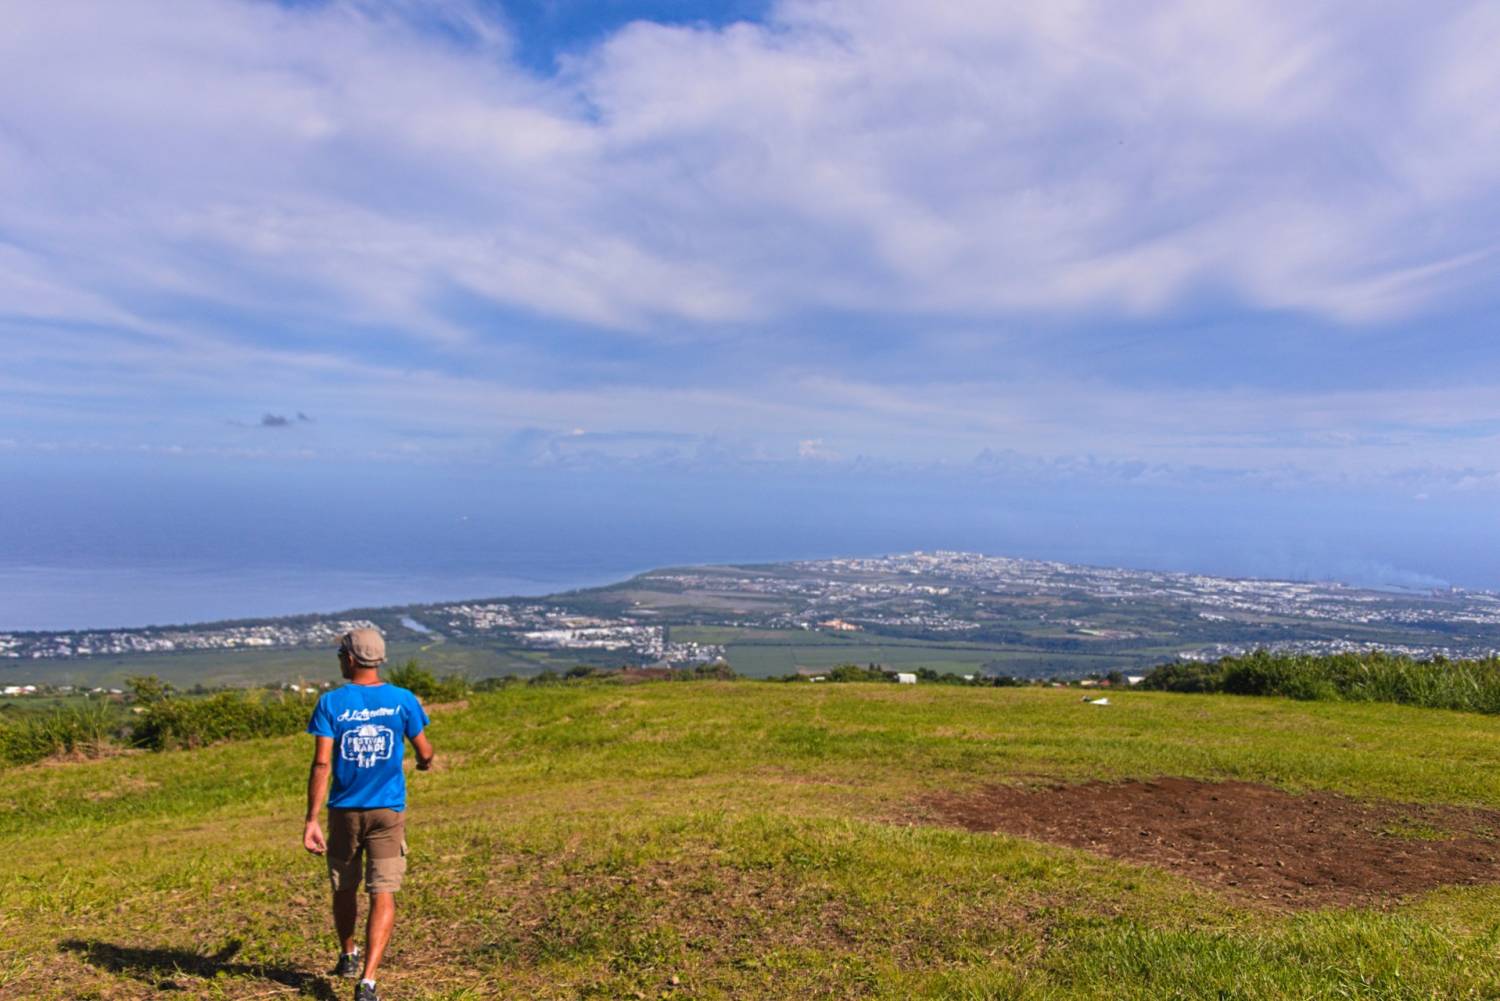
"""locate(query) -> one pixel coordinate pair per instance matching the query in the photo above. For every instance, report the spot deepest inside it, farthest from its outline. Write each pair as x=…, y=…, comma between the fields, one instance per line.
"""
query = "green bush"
x=239, y=715
x=717, y=671
x=147, y=688
x=1470, y=685
x=1187, y=676
x=85, y=731
x=945, y=678
x=425, y=685
x=853, y=672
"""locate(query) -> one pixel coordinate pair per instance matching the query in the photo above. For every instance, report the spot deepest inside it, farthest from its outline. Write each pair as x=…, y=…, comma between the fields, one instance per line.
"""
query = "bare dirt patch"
x=91, y=752
x=1253, y=841
x=123, y=786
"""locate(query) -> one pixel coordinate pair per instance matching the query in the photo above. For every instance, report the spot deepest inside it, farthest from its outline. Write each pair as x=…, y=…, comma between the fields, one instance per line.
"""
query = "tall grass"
x=84, y=731
x=176, y=722
x=163, y=720
x=1469, y=685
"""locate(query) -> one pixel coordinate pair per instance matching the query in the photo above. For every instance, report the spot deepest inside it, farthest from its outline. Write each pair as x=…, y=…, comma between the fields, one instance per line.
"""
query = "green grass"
x=768, y=653
x=258, y=667
x=771, y=659
x=1467, y=685
x=735, y=840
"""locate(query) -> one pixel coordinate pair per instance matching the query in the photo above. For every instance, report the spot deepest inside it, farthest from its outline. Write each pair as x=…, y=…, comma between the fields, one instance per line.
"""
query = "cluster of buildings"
x=1215, y=651
x=552, y=627
x=942, y=593
x=935, y=622
x=823, y=597
x=174, y=640
x=958, y=593
x=1218, y=599
x=17, y=691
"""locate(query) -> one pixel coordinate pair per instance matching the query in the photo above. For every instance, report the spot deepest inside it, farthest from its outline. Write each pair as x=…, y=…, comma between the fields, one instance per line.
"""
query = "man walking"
x=359, y=733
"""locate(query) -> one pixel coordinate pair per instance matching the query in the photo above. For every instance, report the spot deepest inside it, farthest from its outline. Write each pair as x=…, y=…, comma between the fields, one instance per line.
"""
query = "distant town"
x=978, y=612
x=553, y=627
x=36, y=645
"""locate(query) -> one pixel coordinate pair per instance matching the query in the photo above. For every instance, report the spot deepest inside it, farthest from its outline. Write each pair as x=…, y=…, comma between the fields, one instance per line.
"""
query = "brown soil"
x=1254, y=841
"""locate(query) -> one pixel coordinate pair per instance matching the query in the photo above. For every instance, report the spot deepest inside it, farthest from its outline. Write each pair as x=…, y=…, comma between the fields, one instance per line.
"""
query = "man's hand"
x=312, y=838
x=424, y=750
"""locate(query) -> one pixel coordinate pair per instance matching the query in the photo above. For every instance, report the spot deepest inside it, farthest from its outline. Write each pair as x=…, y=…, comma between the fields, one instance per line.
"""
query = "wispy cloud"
x=854, y=232
x=842, y=156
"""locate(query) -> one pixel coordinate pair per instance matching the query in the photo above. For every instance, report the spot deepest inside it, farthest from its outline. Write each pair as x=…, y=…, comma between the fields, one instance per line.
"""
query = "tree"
x=148, y=688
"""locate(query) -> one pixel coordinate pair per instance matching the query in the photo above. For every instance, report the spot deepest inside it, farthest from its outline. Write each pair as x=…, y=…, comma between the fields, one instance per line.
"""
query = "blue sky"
x=1179, y=260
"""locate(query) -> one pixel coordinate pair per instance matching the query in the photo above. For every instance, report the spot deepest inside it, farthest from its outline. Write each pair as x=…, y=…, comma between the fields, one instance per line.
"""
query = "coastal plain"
x=960, y=613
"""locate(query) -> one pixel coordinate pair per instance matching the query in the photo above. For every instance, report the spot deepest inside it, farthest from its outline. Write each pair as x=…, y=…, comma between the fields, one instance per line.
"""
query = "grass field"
x=736, y=840
x=257, y=667
x=764, y=653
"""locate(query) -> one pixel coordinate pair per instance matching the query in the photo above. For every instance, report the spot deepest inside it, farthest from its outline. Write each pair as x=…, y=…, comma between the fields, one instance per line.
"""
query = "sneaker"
x=350, y=965
x=365, y=992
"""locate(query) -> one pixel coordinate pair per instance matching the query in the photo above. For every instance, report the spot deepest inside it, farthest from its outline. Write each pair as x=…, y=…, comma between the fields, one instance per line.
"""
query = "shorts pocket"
x=385, y=874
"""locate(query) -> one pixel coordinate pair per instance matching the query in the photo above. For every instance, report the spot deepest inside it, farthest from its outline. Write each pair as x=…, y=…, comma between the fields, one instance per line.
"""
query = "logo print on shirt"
x=364, y=715
x=367, y=744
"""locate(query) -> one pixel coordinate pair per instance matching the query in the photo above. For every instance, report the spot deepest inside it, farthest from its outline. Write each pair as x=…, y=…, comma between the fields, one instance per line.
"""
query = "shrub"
x=853, y=672
x=148, y=688
x=425, y=685
x=946, y=678
x=1471, y=685
x=1187, y=676
x=79, y=730
x=241, y=715
x=717, y=671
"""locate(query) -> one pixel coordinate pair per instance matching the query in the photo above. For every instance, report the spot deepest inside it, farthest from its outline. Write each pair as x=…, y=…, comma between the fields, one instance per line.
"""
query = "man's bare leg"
x=378, y=931
x=346, y=916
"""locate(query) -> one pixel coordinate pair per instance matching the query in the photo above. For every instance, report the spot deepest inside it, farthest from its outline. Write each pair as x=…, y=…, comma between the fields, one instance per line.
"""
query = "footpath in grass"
x=742, y=840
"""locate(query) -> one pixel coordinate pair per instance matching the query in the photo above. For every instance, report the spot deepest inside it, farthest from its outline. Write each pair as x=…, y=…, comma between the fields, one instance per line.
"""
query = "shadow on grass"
x=159, y=965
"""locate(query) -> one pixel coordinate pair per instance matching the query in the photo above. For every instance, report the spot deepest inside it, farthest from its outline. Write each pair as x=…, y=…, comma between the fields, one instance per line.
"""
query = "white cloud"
x=814, y=450
x=213, y=202
x=872, y=156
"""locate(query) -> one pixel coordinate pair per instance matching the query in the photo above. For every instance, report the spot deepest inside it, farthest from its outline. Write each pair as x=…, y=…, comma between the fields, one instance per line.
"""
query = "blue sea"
x=183, y=551
x=128, y=545
x=80, y=597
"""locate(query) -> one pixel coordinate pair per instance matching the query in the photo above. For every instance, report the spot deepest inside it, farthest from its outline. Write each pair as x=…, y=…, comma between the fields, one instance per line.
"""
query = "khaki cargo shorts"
x=370, y=840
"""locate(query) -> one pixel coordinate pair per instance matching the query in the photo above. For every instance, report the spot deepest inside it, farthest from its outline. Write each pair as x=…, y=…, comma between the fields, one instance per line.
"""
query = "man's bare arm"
x=317, y=791
x=424, y=751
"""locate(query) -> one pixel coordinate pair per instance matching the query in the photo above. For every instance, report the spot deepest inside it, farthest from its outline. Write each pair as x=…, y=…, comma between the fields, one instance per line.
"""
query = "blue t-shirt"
x=370, y=725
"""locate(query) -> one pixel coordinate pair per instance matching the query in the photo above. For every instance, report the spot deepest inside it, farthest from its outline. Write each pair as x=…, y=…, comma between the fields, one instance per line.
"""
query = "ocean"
x=128, y=547
x=91, y=597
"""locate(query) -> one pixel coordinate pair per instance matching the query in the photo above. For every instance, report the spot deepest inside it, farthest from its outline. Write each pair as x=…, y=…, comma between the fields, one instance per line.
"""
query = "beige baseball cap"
x=366, y=647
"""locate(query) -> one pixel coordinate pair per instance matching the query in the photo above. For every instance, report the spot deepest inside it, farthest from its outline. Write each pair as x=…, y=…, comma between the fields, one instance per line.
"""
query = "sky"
x=1172, y=284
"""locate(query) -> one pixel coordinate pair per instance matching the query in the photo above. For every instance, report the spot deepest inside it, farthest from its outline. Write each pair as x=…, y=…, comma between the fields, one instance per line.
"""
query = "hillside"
x=735, y=840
